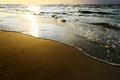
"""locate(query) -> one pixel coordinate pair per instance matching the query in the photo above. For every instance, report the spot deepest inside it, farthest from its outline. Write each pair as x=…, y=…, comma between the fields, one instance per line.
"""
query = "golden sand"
x=24, y=57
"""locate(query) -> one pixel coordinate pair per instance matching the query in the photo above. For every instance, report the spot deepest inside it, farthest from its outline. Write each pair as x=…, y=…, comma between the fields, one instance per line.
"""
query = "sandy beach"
x=24, y=57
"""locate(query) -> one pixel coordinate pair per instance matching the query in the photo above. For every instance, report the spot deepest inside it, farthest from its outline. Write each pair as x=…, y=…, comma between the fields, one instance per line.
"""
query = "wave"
x=107, y=25
x=109, y=50
x=91, y=12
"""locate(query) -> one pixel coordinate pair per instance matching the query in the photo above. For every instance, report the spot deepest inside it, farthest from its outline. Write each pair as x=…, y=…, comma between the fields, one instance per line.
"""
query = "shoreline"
x=24, y=57
x=72, y=32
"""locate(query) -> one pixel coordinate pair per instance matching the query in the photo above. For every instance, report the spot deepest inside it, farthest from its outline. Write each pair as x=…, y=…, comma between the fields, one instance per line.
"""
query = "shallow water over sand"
x=96, y=34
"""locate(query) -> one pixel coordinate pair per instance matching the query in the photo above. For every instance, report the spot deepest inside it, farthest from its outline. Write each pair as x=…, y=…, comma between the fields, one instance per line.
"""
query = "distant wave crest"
x=91, y=12
x=107, y=25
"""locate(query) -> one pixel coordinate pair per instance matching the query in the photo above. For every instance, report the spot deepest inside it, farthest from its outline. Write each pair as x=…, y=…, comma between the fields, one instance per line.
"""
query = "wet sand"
x=24, y=57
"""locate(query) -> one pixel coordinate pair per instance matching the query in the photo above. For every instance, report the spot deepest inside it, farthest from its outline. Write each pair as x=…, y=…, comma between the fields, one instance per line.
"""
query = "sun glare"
x=34, y=9
x=33, y=22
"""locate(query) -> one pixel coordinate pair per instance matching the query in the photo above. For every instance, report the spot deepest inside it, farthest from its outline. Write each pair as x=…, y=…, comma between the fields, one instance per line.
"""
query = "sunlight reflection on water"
x=34, y=25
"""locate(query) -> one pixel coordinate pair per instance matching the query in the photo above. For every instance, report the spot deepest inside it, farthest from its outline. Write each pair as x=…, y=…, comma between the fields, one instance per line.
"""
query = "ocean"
x=94, y=29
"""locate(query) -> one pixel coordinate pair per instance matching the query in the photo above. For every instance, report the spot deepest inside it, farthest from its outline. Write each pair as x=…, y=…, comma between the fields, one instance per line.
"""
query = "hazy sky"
x=57, y=1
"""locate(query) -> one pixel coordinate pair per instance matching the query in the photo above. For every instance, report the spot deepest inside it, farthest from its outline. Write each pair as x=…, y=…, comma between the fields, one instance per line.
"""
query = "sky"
x=58, y=1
